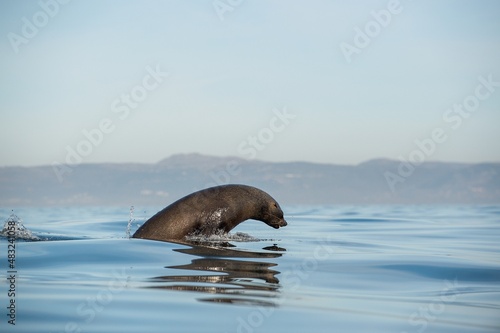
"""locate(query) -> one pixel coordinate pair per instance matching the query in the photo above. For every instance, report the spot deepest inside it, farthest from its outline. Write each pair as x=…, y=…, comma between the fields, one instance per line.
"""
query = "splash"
x=14, y=223
x=221, y=236
x=130, y=221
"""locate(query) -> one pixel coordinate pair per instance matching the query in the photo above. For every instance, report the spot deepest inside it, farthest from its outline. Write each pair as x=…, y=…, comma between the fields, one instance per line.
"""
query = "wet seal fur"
x=215, y=209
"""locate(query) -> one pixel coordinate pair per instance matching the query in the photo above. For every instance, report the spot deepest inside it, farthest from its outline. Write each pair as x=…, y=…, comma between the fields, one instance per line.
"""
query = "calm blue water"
x=346, y=269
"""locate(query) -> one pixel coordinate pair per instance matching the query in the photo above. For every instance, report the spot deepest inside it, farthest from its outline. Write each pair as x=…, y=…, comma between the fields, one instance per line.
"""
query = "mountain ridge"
x=376, y=181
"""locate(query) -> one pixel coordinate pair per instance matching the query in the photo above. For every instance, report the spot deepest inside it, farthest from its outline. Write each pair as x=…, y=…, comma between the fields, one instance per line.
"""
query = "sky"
x=322, y=81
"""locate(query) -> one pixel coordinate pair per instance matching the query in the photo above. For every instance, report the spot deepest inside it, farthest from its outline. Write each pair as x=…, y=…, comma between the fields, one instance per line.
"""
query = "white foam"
x=222, y=236
x=20, y=231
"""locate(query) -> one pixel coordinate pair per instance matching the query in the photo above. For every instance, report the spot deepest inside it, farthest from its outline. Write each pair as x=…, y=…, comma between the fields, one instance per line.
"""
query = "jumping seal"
x=219, y=208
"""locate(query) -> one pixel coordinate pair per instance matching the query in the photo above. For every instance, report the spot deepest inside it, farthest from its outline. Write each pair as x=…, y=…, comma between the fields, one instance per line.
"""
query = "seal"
x=215, y=209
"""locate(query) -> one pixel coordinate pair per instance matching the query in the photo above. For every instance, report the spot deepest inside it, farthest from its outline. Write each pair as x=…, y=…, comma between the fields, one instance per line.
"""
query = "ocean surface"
x=332, y=269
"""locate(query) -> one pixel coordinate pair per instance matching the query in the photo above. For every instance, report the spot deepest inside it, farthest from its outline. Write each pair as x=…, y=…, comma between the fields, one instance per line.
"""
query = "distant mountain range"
x=378, y=181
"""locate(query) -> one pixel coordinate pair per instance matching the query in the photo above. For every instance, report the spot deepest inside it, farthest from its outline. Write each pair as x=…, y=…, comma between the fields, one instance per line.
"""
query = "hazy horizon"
x=399, y=161
x=319, y=81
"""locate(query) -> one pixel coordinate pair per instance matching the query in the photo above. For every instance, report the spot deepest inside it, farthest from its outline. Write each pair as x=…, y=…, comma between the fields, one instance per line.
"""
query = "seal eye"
x=277, y=210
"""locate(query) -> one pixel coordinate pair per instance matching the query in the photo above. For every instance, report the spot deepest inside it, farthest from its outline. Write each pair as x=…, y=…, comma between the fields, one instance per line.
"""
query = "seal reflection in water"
x=233, y=279
x=215, y=209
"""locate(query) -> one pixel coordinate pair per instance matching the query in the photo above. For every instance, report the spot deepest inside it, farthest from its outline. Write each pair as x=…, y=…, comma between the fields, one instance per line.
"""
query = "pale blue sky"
x=227, y=76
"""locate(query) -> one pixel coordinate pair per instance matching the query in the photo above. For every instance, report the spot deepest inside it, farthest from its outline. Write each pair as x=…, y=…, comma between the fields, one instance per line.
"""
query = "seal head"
x=272, y=215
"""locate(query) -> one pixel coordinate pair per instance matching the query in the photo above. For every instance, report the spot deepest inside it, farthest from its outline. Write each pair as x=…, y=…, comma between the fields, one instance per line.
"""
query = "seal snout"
x=277, y=223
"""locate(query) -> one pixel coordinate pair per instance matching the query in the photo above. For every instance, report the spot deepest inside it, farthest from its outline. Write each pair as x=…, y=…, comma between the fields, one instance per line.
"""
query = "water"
x=344, y=268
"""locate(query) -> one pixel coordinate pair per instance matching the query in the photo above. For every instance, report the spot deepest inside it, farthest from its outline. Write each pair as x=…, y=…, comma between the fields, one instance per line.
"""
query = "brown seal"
x=219, y=208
